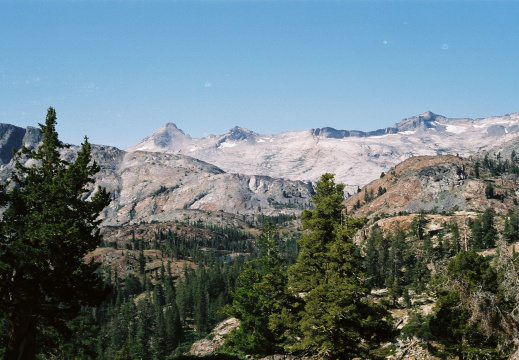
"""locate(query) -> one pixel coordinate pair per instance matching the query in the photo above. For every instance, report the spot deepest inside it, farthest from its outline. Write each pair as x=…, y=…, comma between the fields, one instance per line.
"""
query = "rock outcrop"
x=208, y=346
x=431, y=183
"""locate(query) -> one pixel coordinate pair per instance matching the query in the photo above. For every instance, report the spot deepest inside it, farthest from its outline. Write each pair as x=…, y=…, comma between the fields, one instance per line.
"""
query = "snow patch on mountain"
x=355, y=157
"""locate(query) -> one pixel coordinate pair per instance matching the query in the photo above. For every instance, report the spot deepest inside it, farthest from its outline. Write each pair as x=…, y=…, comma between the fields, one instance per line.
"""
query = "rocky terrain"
x=171, y=176
x=149, y=187
x=355, y=157
x=432, y=183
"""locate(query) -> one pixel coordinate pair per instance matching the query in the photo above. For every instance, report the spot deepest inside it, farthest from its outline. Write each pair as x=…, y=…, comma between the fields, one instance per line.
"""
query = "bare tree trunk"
x=22, y=334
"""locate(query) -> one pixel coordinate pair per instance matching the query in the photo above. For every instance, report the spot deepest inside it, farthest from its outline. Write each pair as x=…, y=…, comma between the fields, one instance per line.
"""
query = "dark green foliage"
x=450, y=323
x=368, y=195
x=260, y=294
x=417, y=326
x=474, y=271
x=337, y=320
x=418, y=225
x=459, y=321
x=357, y=205
x=489, y=191
x=208, y=357
x=46, y=229
x=455, y=238
x=376, y=261
x=391, y=262
x=477, y=166
x=201, y=303
x=511, y=228
x=483, y=229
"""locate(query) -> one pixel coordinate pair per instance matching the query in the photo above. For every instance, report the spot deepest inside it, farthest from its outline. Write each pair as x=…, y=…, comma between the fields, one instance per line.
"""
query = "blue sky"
x=118, y=70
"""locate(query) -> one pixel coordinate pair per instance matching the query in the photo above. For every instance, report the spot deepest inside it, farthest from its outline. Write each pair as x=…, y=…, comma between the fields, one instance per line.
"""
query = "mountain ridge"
x=305, y=155
x=147, y=186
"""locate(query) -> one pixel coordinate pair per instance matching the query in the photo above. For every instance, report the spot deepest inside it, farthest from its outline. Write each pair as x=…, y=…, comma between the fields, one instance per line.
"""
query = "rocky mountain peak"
x=330, y=133
x=168, y=138
x=238, y=133
x=419, y=122
x=307, y=154
x=172, y=127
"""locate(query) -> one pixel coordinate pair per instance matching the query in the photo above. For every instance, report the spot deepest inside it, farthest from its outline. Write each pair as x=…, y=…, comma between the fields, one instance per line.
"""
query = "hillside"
x=434, y=184
x=148, y=187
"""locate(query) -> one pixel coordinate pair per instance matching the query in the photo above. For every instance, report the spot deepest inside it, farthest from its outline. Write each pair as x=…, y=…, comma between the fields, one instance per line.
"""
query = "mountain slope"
x=148, y=187
x=355, y=157
x=434, y=184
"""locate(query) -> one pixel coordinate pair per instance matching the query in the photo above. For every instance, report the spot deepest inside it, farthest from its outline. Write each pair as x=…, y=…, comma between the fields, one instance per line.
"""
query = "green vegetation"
x=336, y=318
x=260, y=294
x=46, y=229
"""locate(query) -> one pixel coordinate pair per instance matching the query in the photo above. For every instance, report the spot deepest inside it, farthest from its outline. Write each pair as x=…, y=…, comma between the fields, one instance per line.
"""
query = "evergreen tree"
x=418, y=226
x=462, y=304
x=456, y=238
x=47, y=228
x=260, y=294
x=477, y=166
x=376, y=259
x=201, y=304
x=483, y=229
x=338, y=319
x=511, y=230
x=489, y=191
x=173, y=327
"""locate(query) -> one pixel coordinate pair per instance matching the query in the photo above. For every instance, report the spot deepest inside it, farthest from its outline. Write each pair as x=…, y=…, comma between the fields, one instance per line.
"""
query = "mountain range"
x=233, y=177
x=148, y=187
x=355, y=157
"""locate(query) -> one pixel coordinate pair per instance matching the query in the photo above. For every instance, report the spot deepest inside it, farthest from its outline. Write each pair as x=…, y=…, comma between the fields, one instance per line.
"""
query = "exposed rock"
x=430, y=183
x=148, y=187
x=10, y=138
x=285, y=357
x=411, y=350
x=355, y=157
x=215, y=340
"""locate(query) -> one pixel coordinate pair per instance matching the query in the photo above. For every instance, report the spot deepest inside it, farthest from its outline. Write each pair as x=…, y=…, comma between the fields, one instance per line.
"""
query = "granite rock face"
x=148, y=187
x=435, y=184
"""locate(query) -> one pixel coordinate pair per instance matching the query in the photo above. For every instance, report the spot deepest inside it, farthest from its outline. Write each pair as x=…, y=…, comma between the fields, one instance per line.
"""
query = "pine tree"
x=260, y=294
x=338, y=319
x=467, y=315
x=201, y=304
x=49, y=224
x=173, y=327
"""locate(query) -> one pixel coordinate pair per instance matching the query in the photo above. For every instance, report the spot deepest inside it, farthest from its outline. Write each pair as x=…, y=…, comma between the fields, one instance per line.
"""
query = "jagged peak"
x=171, y=128
x=238, y=133
x=428, y=115
x=422, y=121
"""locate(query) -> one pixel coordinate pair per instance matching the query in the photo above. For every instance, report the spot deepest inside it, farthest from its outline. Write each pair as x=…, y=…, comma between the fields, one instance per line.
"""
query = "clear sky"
x=118, y=70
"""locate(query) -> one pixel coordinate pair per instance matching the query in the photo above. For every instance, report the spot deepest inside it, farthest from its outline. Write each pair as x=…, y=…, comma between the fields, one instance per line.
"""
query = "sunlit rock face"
x=147, y=186
x=355, y=157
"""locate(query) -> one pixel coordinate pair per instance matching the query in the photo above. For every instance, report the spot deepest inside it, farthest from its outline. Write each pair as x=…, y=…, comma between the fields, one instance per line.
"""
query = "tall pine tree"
x=338, y=320
x=48, y=225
